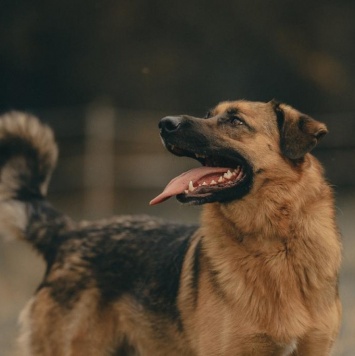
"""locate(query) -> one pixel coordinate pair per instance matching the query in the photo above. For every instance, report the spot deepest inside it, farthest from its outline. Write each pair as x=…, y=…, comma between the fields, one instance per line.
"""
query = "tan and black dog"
x=259, y=276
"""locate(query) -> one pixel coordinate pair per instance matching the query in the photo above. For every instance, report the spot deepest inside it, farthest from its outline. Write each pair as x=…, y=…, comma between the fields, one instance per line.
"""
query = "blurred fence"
x=112, y=159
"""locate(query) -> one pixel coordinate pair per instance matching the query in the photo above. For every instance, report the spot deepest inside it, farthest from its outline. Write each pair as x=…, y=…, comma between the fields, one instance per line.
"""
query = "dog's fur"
x=258, y=277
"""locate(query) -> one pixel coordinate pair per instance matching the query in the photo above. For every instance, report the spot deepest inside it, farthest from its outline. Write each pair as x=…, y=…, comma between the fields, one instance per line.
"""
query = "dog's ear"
x=299, y=133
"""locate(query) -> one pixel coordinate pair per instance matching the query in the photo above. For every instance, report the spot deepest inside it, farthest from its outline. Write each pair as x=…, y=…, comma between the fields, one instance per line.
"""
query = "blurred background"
x=102, y=74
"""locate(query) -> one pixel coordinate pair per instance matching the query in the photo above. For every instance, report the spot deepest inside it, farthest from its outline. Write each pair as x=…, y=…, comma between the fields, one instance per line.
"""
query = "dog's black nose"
x=170, y=124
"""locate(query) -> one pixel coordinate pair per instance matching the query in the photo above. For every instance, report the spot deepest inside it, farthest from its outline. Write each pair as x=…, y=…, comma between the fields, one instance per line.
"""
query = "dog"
x=258, y=276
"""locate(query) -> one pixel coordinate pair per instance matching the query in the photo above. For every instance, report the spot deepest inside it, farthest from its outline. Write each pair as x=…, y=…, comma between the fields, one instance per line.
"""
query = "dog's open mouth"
x=222, y=177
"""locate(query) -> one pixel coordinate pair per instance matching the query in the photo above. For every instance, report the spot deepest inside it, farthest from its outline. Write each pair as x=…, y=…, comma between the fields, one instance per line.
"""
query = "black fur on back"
x=140, y=256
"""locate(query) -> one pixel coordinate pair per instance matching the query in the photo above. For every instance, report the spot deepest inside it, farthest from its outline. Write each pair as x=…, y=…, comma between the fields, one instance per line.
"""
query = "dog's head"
x=235, y=142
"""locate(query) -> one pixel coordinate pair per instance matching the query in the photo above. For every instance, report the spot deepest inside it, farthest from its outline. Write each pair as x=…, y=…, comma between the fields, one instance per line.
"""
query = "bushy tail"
x=28, y=155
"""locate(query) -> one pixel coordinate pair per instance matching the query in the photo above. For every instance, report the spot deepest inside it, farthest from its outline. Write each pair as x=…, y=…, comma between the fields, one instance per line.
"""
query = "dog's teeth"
x=228, y=175
x=191, y=186
x=204, y=183
x=221, y=179
x=213, y=182
x=186, y=191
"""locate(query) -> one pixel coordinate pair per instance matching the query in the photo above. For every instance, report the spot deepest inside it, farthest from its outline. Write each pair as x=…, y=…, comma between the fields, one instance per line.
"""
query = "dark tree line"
x=177, y=55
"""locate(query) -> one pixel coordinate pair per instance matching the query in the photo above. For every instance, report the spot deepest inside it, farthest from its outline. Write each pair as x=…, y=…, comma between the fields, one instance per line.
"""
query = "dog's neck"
x=276, y=216
x=276, y=204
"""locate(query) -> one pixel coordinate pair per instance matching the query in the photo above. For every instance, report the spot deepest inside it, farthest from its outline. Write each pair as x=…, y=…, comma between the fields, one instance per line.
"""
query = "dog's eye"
x=235, y=120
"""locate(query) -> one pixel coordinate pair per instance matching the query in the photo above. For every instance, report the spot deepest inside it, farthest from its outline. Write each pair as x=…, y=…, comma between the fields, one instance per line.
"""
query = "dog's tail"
x=28, y=155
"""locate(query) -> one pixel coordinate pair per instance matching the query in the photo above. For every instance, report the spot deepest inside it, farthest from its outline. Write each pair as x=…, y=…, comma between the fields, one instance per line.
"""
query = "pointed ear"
x=299, y=133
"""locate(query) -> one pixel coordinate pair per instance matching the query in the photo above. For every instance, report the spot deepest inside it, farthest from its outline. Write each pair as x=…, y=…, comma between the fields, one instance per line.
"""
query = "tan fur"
x=267, y=270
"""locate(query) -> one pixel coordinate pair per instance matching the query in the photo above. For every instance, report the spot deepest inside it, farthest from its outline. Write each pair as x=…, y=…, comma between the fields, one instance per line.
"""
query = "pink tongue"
x=179, y=184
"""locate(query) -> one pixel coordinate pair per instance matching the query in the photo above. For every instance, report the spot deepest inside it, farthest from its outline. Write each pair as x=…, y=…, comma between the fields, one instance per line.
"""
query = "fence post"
x=99, y=160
